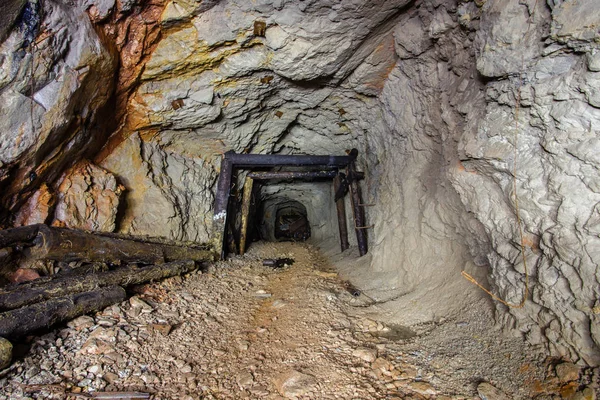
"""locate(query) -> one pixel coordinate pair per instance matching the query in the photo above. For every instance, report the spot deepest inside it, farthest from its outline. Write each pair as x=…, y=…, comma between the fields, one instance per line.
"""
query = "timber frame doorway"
x=342, y=169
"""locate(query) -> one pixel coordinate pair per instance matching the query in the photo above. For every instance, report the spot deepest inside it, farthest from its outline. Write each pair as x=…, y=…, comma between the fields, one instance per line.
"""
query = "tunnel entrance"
x=285, y=219
x=282, y=220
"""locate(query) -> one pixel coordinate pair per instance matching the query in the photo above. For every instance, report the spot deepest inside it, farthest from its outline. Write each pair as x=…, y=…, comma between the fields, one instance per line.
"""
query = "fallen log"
x=63, y=244
x=32, y=292
x=16, y=323
x=13, y=236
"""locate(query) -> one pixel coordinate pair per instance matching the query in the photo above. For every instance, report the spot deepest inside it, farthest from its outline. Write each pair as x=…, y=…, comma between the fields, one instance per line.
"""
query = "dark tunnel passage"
x=282, y=219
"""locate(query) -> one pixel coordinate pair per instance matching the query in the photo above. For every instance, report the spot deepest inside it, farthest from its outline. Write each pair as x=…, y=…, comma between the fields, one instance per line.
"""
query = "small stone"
x=80, y=323
x=261, y=294
x=110, y=377
x=23, y=275
x=5, y=353
x=382, y=365
x=593, y=60
x=567, y=372
x=163, y=329
x=140, y=304
x=488, y=392
x=586, y=394
x=421, y=387
x=186, y=369
x=368, y=355
x=93, y=346
x=95, y=369
x=293, y=384
x=84, y=383
x=245, y=380
x=278, y=304
x=105, y=334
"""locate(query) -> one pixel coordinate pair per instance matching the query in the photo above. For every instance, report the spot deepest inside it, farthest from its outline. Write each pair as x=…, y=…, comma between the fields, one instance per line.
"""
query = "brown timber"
x=34, y=291
x=341, y=215
x=24, y=320
x=359, y=211
x=63, y=244
x=246, y=200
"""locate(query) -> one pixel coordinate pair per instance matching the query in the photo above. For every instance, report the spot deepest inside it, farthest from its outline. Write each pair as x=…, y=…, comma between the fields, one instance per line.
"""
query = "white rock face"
x=450, y=104
x=403, y=84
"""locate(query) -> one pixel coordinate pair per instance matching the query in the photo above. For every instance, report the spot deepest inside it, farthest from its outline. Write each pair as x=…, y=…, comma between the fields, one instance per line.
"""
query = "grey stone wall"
x=444, y=99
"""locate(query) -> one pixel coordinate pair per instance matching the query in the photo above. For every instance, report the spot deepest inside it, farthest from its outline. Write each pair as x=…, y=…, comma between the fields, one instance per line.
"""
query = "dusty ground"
x=242, y=330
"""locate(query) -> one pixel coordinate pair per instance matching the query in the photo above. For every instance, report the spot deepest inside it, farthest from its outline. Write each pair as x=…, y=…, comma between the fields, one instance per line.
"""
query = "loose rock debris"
x=242, y=330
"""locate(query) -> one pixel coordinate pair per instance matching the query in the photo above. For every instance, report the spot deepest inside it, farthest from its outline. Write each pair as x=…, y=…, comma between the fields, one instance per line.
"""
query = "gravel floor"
x=244, y=331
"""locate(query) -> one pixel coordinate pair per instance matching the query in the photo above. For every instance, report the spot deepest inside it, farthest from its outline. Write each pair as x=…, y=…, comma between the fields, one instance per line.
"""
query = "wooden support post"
x=341, y=215
x=359, y=212
x=221, y=205
x=246, y=201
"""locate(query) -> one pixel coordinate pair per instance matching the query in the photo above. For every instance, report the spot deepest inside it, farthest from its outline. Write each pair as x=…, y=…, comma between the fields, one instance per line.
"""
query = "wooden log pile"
x=38, y=304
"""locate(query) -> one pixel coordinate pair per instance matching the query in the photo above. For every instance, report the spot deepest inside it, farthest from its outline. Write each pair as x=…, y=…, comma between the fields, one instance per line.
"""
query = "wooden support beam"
x=221, y=206
x=246, y=201
x=292, y=175
x=275, y=160
x=359, y=211
x=341, y=215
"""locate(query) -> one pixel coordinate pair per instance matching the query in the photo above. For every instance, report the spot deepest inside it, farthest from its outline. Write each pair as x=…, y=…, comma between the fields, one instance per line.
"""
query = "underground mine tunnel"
x=137, y=261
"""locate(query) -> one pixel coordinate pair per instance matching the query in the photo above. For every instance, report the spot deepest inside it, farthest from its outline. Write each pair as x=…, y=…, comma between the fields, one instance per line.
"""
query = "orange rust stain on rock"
x=531, y=242
x=134, y=34
x=385, y=59
x=568, y=391
x=37, y=208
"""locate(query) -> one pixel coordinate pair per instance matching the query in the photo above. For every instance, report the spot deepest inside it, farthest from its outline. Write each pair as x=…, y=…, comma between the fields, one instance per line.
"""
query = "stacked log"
x=38, y=304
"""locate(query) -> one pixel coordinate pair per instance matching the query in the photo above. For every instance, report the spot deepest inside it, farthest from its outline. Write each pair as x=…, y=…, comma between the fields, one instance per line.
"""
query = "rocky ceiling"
x=115, y=114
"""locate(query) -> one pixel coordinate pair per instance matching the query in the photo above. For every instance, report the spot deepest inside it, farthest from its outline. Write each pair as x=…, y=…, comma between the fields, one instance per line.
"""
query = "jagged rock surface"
x=55, y=78
x=434, y=94
x=88, y=198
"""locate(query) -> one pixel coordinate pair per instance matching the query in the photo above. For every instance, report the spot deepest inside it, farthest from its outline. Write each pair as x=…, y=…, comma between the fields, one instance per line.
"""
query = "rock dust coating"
x=115, y=115
x=242, y=330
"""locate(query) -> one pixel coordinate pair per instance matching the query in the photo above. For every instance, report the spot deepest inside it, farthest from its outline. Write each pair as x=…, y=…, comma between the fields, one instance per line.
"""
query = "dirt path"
x=242, y=330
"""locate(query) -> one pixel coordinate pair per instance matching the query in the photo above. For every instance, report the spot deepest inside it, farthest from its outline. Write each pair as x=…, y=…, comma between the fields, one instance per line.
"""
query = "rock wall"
x=540, y=61
x=455, y=107
x=56, y=77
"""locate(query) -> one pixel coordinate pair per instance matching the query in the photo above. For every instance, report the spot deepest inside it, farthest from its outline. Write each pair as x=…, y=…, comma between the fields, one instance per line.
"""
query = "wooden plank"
x=341, y=215
x=14, y=236
x=25, y=320
x=31, y=292
x=246, y=201
x=63, y=244
x=359, y=212
x=292, y=175
x=221, y=206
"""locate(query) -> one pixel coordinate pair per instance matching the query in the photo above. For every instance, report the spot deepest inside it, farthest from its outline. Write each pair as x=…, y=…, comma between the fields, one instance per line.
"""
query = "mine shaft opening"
x=281, y=219
x=285, y=207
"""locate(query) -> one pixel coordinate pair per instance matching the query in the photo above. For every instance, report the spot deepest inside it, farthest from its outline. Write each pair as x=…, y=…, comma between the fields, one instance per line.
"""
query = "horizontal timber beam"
x=293, y=175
